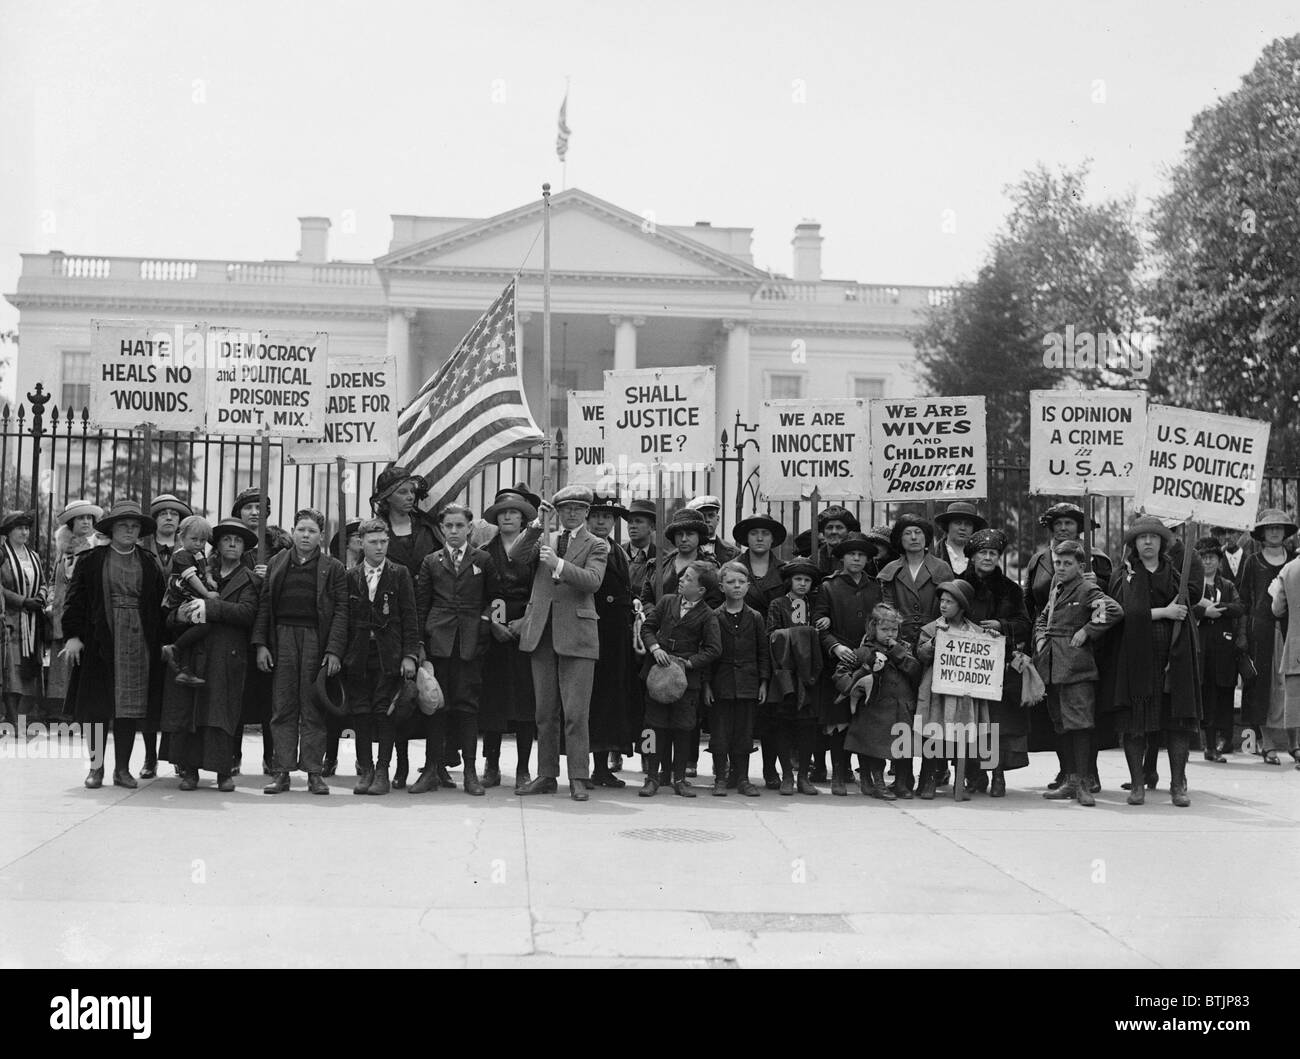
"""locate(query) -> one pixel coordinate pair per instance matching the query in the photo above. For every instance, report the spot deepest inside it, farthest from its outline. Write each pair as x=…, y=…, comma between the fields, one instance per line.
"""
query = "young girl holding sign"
x=955, y=715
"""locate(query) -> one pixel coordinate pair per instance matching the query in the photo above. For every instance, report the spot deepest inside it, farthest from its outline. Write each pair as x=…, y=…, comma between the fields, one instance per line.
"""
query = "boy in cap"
x=738, y=683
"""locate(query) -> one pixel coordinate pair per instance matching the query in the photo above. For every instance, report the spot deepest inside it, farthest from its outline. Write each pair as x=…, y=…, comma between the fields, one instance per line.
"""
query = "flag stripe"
x=492, y=396
x=435, y=458
x=462, y=479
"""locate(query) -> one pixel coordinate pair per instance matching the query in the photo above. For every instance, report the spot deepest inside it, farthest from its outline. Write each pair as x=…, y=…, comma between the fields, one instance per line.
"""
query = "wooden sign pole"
x=264, y=500
x=342, y=464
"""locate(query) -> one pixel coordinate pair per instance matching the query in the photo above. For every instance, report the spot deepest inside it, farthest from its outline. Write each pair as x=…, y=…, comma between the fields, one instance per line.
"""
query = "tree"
x=1058, y=262
x=1226, y=236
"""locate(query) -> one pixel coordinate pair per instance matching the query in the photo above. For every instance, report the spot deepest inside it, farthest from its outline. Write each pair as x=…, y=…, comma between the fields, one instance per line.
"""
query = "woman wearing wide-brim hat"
x=758, y=536
x=202, y=722
x=685, y=532
x=74, y=537
x=113, y=624
x=1263, y=700
x=25, y=589
x=954, y=526
x=910, y=583
x=508, y=701
x=1157, y=681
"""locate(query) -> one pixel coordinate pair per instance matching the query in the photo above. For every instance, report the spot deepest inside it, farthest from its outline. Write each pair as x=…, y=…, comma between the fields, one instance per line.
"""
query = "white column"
x=733, y=374
x=399, y=346
x=625, y=340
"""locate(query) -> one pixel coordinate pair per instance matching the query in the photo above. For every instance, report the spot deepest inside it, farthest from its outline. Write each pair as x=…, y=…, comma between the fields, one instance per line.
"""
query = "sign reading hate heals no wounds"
x=811, y=444
x=659, y=417
x=146, y=372
x=928, y=448
x=586, y=451
x=1201, y=466
x=968, y=663
x=1085, y=441
x=267, y=381
x=360, y=414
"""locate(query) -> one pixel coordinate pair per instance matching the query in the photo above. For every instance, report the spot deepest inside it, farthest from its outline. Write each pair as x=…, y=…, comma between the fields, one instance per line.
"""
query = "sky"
x=204, y=129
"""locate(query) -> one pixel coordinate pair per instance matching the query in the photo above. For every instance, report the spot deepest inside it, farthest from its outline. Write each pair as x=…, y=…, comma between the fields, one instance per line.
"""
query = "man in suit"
x=560, y=631
x=453, y=602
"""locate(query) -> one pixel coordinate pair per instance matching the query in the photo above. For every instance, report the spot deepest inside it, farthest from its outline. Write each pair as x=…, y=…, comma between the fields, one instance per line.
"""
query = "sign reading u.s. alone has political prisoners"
x=659, y=417
x=1085, y=441
x=811, y=443
x=146, y=372
x=360, y=414
x=1201, y=466
x=272, y=381
x=586, y=436
x=928, y=448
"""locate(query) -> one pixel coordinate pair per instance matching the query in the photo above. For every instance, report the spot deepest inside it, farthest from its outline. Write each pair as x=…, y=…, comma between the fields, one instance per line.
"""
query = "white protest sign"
x=1201, y=466
x=360, y=414
x=146, y=372
x=968, y=663
x=928, y=448
x=660, y=417
x=1085, y=441
x=586, y=450
x=267, y=380
x=808, y=444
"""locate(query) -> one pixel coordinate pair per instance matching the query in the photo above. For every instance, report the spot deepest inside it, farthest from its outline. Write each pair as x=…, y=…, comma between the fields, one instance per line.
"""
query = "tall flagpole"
x=546, y=350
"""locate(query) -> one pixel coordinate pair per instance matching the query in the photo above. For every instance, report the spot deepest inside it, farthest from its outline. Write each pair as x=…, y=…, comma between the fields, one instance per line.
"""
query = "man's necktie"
x=562, y=545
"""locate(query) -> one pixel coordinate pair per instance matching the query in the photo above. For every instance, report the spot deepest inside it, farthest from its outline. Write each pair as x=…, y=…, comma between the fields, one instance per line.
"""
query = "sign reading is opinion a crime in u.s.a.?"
x=1201, y=466
x=660, y=418
x=267, y=382
x=968, y=663
x=1085, y=441
x=928, y=448
x=146, y=372
x=586, y=450
x=809, y=444
x=360, y=414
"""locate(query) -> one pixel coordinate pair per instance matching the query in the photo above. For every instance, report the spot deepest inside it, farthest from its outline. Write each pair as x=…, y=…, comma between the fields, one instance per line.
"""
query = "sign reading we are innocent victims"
x=968, y=663
x=811, y=443
x=360, y=414
x=928, y=448
x=267, y=381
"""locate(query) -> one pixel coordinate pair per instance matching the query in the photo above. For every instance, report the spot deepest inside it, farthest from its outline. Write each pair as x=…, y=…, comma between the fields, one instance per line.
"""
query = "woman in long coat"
x=74, y=538
x=113, y=625
x=25, y=589
x=507, y=702
x=611, y=728
x=201, y=722
x=1157, y=678
x=999, y=605
x=910, y=584
x=1222, y=632
x=758, y=535
x=1257, y=572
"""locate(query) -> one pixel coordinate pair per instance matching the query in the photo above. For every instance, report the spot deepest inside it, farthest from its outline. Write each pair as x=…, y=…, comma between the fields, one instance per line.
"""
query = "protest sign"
x=659, y=417
x=809, y=444
x=968, y=663
x=928, y=448
x=1201, y=466
x=586, y=452
x=146, y=372
x=360, y=414
x=272, y=381
x=1085, y=441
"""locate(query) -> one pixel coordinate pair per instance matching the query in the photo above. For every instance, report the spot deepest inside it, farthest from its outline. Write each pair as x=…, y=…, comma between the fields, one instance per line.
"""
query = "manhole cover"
x=676, y=834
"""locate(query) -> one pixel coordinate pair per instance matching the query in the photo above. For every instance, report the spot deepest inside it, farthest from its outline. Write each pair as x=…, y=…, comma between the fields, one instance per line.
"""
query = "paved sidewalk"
x=157, y=877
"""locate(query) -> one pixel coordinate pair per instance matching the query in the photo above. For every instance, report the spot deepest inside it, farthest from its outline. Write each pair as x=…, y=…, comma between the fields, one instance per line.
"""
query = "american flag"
x=472, y=412
x=562, y=137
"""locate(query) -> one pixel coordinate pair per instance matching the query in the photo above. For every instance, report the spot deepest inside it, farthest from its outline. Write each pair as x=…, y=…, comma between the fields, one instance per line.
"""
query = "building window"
x=870, y=388
x=781, y=386
x=75, y=392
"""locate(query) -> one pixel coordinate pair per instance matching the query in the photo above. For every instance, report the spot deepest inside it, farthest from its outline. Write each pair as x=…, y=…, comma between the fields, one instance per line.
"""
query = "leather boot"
x=491, y=775
x=226, y=783
x=94, y=779
x=189, y=781
x=379, y=784
x=1133, y=747
x=278, y=785
x=719, y=776
x=1179, y=750
x=904, y=782
x=522, y=779
x=1067, y=791
x=876, y=780
x=998, y=784
x=399, y=777
x=123, y=778
x=316, y=784
x=472, y=783
x=1084, y=794
x=839, y=766
x=364, y=779
x=651, y=785
x=427, y=782
x=804, y=784
x=684, y=789
x=929, y=781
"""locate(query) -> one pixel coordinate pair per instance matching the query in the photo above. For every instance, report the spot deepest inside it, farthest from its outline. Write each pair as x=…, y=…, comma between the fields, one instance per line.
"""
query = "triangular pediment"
x=588, y=236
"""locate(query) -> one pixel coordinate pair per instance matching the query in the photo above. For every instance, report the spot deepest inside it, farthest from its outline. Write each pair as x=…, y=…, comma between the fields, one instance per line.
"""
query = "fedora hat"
x=402, y=705
x=329, y=694
x=126, y=509
x=986, y=538
x=800, y=566
x=428, y=692
x=76, y=508
x=572, y=494
x=1147, y=524
x=607, y=503
x=228, y=527
x=1273, y=517
x=510, y=500
x=14, y=519
x=854, y=542
x=169, y=502
x=666, y=683
x=643, y=507
x=960, y=590
x=251, y=495
x=838, y=514
x=686, y=520
x=907, y=521
x=740, y=531
x=960, y=509
x=1065, y=510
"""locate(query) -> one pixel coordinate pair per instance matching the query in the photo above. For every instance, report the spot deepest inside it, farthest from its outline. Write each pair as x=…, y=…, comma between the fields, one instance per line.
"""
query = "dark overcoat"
x=1222, y=636
x=331, y=604
x=390, y=616
x=917, y=602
